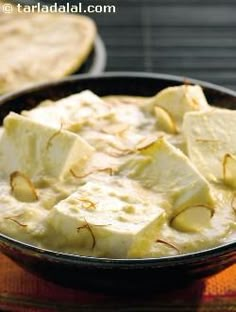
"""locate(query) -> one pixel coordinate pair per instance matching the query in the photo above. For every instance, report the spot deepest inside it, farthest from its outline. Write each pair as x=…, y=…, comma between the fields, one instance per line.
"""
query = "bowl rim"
x=112, y=75
x=194, y=257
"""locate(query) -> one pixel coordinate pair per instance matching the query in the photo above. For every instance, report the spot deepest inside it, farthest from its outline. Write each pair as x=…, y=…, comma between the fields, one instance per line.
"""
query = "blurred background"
x=192, y=38
x=195, y=38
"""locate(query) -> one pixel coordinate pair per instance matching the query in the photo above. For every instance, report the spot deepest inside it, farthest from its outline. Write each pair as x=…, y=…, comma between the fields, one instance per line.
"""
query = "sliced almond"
x=108, y=170
x=164, y=120
x=229, y=170
x=22, y=188
x=115, y=129
x=233, y=203
x=192, y=219
x=146, y=142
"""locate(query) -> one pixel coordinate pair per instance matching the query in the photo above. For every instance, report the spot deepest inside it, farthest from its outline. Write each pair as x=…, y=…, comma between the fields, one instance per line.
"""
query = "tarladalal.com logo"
x=67, y=7
x=6, y=8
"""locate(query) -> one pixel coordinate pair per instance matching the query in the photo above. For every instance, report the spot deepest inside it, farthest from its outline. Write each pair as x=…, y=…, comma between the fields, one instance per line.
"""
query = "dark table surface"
x=193, y=38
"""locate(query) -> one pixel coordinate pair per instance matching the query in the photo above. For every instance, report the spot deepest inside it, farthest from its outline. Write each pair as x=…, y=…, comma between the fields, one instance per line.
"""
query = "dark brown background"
x=195, y=38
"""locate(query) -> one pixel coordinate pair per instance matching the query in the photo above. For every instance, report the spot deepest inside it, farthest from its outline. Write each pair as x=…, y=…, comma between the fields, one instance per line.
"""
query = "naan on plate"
x=37, y=47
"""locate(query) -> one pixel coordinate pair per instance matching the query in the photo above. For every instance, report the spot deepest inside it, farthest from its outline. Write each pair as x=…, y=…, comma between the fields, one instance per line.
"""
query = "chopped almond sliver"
x=116, y=129
x=22, y=188
x=193, y=219
x=229, y=170
x=165, y=120
x=233, y=203
x=146, y=142
x=109, y=170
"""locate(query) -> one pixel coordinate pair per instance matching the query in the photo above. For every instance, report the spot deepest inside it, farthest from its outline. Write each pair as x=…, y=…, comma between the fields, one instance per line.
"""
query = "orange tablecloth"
x=21, y=291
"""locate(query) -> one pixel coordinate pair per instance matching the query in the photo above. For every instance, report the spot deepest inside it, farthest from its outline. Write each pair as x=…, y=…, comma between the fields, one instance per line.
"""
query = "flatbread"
x=37, y=47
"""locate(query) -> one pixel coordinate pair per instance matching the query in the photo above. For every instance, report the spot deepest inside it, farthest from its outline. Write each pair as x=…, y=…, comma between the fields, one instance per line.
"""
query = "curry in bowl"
x=120, y=176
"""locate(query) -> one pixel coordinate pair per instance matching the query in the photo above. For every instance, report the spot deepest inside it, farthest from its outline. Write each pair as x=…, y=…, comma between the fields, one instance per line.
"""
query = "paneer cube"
x=107, y=220
x=211, y=143
x=165, y=169
x=36, y=149
x=176, y=101
x=73, y=111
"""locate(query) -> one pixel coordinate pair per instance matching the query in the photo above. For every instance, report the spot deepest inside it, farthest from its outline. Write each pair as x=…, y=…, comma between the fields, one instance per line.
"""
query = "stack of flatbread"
x=37, y=47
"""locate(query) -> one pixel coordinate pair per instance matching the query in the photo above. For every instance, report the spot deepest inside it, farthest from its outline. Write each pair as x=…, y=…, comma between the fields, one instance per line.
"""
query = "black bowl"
x=116, y=275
